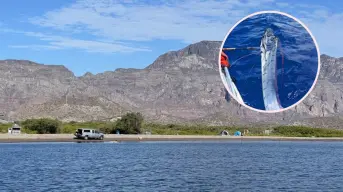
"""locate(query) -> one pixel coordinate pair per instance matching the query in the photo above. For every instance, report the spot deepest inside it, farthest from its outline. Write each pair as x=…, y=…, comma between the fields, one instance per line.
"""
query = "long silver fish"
x=269, y=44
x=233, y=89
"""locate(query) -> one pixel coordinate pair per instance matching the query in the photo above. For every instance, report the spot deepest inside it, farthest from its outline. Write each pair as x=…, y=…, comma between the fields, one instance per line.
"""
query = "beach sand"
x=8, y=138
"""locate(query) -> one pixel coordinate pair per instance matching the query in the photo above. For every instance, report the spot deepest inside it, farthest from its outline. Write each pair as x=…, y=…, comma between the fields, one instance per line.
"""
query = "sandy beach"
x=7, y=138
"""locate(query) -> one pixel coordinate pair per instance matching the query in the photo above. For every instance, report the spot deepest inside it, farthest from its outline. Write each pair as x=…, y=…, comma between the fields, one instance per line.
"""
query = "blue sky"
x=102, y=35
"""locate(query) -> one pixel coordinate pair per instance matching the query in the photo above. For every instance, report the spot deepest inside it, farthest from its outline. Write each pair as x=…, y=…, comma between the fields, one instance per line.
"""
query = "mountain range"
x=181, y=86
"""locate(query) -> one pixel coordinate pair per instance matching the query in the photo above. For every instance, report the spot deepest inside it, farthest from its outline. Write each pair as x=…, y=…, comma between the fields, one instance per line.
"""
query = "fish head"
x=268, y=41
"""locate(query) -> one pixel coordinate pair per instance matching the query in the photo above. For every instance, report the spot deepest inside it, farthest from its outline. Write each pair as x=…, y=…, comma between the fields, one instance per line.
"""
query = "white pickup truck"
x=86, y=134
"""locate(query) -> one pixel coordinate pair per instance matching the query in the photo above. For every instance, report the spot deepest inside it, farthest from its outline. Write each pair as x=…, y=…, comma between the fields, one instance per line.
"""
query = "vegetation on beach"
x=179, y=129
x=133, y=123
x=42, y=126
x=301, y=131
x=286, y=131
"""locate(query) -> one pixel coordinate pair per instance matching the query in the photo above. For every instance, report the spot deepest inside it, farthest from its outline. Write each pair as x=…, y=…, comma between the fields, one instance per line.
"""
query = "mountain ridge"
x=178, y=87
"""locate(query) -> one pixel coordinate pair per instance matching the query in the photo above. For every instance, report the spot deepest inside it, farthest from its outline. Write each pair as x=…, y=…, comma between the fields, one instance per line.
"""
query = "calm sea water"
x=295, y=76
x=172, y=166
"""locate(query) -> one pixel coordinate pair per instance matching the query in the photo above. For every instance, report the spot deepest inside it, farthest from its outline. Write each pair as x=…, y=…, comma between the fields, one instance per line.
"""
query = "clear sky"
x=102, y=35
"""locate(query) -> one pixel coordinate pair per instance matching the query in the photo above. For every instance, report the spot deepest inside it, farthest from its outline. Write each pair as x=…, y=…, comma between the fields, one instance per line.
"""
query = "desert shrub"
x=301, y=131
x=42, y=126
x=130, y=123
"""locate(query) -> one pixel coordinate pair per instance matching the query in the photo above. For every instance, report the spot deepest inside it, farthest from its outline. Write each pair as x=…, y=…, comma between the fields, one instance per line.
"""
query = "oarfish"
x=233, y=89
x=269, y=44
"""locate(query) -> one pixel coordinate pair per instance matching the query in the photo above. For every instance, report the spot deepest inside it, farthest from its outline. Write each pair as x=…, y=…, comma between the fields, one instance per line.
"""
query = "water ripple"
x=227, y=166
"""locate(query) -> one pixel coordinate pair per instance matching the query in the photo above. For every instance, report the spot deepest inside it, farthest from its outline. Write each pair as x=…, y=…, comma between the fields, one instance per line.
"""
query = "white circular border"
x=318, y=54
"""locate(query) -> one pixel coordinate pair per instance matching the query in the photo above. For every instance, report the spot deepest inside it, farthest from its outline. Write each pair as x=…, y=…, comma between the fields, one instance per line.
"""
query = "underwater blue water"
x=294, y=77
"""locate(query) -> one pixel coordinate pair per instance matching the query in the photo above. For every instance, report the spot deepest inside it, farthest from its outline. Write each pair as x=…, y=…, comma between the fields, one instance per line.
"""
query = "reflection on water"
x=172, y=166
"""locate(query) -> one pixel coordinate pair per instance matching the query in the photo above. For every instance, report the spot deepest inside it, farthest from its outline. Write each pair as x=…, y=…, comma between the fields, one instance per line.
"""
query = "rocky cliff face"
x=180, y=86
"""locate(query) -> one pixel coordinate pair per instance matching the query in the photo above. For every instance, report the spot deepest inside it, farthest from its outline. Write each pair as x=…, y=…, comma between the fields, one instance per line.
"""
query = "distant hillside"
x=180, y=86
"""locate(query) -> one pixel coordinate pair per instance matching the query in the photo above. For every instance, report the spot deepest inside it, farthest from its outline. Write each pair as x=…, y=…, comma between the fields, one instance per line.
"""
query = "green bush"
x=71, y=127
x=42, y=126
x=4, y=127
x=301, y=131
x=108, y=128
x=131, y=123
x=179, y=129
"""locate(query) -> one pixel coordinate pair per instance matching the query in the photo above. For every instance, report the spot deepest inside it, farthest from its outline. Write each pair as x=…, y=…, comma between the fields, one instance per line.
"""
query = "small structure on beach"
x=224, y=132
x=267, y=132
x=15, y=129
x=147, y=132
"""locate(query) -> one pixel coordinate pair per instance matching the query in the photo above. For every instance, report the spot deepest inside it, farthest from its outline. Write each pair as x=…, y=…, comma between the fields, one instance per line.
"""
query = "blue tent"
x=237, y=133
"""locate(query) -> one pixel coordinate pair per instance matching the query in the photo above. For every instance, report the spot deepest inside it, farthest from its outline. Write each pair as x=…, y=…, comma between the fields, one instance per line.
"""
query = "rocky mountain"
x=180, y=86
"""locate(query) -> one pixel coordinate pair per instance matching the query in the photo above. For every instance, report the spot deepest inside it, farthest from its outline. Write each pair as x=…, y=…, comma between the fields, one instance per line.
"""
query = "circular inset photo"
x=269, y=61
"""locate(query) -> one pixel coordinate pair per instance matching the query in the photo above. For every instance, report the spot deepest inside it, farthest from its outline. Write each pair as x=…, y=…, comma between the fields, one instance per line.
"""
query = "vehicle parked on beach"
x=85, y=133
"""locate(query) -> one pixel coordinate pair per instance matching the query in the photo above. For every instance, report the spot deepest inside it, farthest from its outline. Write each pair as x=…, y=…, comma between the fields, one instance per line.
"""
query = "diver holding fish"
x=268, y=50
x=224, y=62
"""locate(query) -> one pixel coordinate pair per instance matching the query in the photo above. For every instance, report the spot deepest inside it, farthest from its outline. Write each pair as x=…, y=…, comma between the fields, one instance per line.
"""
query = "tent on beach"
x=224, y=132
x=237, y=133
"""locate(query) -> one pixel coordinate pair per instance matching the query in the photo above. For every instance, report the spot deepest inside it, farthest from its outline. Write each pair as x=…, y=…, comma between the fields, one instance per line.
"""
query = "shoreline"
x=7, y=138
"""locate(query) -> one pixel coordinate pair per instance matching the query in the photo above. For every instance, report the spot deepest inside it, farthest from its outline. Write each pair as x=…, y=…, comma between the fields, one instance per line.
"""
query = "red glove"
x=224, y=60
